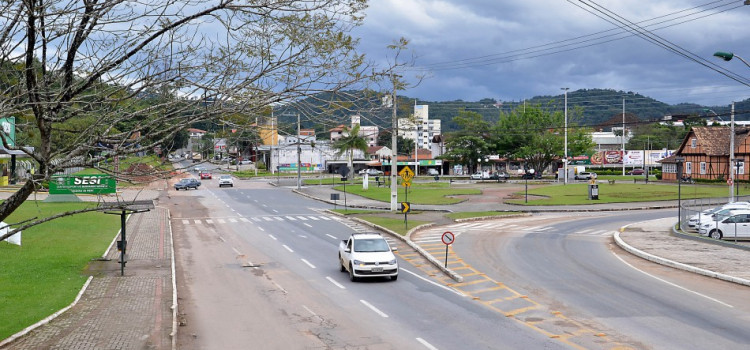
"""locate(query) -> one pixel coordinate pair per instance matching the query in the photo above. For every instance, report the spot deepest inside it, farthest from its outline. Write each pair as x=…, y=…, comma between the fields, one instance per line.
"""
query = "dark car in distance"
x=636, y=172
x=531, y=176
x=186, y=184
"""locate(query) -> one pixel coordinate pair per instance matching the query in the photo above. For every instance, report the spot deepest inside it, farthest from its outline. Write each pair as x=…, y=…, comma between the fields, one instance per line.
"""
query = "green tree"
x=348, y=143
x=101, y=73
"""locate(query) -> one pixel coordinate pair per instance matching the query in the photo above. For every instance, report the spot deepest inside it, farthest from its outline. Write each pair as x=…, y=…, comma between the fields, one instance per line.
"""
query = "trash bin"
x=593, y=191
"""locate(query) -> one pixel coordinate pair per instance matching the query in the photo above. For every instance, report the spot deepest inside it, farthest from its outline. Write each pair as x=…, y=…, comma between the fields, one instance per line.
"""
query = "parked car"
x=186, y=184
x=735, y=224
x=478, y=176
x=206, y=175
x=226, y=180
x=585, y=175
x=636, y=172
x=371, y=172
x=500, y=176
x=706, y=214
x=433, y=172
x=718, y=215
x=530, y=176
x=246, y=162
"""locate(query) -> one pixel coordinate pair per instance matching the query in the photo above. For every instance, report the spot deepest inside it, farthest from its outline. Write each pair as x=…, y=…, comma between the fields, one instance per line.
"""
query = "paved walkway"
x=136, y=311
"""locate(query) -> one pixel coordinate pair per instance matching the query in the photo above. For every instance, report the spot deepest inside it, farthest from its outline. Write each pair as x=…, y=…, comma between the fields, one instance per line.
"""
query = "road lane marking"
x=244, y=220
x=433, y=283
x=332, y=236
x=672, y=284
x=275, y=211
x=267, y=218
x=278, y=218
x=290, y=218
x=209, y=221
x=308, y=263
x=335, y=283
x=185, y=222
x=260, y=228
x=236, y=251
x=197, y=222
x=233, y=220
x=222, y=239
x=306, y=224
x=287, y=248
x=256, y=219
x=274, y=238
x=313, y=218
x=426, y=344
x=381, y=313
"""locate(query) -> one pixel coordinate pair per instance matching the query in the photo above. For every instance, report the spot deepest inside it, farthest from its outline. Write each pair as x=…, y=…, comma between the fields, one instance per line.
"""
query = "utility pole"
x=299, y=154
x=565, y=160
x=731, y=157
x=394, y=160
x=623, y=136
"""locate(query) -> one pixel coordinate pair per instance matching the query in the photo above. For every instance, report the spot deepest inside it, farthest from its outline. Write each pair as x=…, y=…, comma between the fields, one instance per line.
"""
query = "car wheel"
x=715, y=234
x=351, y=274
x=341, y=265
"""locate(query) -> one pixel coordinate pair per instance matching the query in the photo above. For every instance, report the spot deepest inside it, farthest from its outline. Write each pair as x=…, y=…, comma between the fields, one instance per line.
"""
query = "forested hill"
x=596, y=106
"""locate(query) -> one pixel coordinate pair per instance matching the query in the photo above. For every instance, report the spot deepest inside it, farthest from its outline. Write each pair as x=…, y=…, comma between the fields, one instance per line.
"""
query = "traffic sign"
x=729, y=181
x=406, y=183
x=405, y=207
x=406, y=174
x=448, y=238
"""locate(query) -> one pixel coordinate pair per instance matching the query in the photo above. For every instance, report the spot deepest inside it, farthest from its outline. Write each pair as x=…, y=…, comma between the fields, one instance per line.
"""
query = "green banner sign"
x=91, y=184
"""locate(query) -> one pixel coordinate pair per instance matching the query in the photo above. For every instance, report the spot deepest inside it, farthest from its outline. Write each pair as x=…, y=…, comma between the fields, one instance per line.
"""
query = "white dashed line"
x=335, y=283
x=272, y=237
x=306, y=224
x=334, y=237
x=287, y=248
x=308, y=263
x=381, y=313
x=426, y=344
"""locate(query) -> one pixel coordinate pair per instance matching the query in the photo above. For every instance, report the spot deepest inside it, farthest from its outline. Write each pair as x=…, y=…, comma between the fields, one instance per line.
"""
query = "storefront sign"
x=90, y=184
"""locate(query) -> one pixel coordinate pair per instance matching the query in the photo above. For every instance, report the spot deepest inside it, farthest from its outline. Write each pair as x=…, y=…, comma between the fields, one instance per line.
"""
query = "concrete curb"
x=677, y=265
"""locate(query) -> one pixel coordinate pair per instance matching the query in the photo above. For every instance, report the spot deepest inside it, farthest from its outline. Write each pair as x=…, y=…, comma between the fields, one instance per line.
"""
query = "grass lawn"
x=45, y=274
x=394, y=224
x=573, y=194
x=419, y=193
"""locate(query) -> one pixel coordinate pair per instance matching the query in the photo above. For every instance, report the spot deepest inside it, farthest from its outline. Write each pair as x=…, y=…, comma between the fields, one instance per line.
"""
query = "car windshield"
x=225, y=177
x=370, y=245
x=185, y=180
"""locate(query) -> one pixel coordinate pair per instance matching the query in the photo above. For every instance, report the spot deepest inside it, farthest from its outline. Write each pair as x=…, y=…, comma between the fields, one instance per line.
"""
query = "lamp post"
x=727, y=56
x=526, y=176
x=565, y=160
x=679, y=161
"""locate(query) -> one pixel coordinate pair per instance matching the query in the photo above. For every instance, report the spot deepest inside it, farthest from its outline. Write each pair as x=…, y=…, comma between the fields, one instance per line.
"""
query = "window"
x=740, y=168
x=669, y=168
x=703, y=167
x=693, y=143
x=688, y=167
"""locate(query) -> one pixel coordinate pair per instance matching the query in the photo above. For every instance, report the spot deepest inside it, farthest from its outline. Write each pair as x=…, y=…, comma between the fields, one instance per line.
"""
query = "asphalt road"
x=564, y=267
x=257, y=268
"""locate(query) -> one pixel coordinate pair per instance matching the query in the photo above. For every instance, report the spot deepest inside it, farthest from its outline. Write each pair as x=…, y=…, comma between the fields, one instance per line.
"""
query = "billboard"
x=90, y=184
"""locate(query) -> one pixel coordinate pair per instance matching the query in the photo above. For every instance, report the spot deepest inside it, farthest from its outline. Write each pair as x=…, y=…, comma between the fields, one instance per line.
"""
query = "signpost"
x=406, y=175
x=405, y=208
x=448, y=238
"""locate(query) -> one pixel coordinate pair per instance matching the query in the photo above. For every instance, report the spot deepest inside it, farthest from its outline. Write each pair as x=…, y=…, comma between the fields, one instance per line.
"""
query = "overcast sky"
x=512, y=50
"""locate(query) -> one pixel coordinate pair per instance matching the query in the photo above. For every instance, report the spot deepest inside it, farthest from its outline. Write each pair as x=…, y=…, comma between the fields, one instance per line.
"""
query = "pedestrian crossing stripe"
x=290, y=218
x=244, y=220
x=209, y=221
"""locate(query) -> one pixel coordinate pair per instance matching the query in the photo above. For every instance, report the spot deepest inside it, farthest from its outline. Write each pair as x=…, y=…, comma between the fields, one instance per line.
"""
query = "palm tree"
x=350, y=142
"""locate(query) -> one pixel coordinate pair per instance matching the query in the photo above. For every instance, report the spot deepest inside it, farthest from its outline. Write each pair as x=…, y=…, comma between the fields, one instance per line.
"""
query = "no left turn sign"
x=448, y=238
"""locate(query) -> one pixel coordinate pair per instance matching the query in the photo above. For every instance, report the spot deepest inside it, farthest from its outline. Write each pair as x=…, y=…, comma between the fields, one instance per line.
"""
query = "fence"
x=694, y=207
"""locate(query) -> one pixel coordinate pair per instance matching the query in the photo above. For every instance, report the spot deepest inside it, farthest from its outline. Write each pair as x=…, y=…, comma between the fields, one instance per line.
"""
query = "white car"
x=693, y=221
x=226, y=180
x=736, y=224
x=371, y=172
x=367, y=255
x=719, y=214
x=585, y=175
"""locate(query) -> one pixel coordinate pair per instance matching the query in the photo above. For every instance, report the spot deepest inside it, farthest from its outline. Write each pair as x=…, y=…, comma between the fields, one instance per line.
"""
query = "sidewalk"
x=134, y=311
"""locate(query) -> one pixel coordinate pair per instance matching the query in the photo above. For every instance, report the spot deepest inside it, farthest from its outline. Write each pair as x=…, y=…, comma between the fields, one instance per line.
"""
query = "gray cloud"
x=474, y=49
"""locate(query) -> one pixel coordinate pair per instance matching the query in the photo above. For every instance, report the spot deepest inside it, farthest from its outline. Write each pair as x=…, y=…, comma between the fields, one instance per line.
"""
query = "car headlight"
x=392, y=262
x=357, y=262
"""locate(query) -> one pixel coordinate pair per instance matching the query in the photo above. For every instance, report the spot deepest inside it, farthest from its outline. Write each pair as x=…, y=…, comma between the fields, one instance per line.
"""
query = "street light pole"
x=731, y=155
x=727, y=56
x=531, y=171
x=679, y=161
x=565, y=160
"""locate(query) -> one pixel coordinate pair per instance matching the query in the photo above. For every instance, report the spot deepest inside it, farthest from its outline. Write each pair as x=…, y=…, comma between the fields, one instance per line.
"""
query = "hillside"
x=596, y=106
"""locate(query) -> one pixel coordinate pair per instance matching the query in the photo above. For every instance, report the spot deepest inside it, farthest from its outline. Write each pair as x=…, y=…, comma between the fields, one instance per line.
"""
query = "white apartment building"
x=368, y=132
x=425, y=129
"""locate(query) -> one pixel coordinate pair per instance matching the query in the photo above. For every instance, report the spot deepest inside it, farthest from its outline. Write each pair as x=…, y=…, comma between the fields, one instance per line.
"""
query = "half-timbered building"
x=706, y=154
